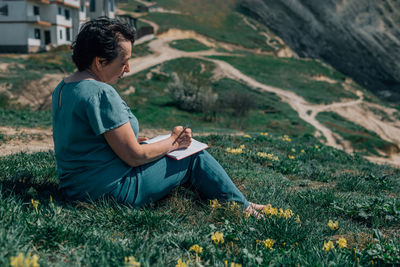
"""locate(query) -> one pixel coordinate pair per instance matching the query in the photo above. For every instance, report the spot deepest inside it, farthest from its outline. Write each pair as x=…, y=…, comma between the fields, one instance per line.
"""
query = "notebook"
x=195, y=146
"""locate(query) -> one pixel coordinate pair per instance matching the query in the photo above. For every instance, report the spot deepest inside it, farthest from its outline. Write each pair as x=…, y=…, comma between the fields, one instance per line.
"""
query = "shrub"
x=239, y=104
x=189, y=94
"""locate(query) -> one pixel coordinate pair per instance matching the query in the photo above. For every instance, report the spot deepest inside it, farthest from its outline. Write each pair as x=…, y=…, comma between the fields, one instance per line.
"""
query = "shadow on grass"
x=30, y=176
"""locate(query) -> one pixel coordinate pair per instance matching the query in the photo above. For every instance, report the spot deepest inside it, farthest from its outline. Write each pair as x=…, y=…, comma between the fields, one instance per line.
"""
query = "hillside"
x=358, y=37
x=291, y=132
x=201, y=46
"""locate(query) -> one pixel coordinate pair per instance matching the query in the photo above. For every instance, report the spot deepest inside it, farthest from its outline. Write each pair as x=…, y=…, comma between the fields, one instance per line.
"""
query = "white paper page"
x=195, y=146
x=157, y=138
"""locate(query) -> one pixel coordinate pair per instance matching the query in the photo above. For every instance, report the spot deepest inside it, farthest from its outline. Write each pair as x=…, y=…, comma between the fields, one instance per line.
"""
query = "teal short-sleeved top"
x=87, y=166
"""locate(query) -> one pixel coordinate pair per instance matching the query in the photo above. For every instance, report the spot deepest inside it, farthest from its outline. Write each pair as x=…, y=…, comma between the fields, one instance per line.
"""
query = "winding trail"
x=352, y=110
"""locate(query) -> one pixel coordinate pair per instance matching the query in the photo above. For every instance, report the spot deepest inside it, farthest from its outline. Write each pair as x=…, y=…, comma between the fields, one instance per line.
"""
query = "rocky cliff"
x=360, y=38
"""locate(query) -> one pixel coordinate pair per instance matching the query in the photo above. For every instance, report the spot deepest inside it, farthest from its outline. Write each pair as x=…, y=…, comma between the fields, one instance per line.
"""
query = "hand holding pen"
x=182, y=137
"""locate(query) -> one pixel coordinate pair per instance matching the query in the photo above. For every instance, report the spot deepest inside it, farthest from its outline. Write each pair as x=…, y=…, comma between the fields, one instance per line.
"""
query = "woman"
x=95, y=133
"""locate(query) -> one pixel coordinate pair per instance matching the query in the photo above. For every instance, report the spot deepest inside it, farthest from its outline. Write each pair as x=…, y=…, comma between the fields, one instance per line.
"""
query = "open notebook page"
x=194, y=147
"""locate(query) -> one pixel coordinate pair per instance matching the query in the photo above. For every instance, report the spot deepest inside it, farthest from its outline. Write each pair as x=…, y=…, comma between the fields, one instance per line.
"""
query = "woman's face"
x=114, y=70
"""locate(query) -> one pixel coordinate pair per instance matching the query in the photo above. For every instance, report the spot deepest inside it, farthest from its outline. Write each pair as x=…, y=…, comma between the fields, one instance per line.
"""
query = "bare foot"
x=255, y=210
x=257, y=207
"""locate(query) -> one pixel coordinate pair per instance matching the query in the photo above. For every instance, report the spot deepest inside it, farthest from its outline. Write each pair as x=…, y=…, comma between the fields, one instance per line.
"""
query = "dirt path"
x=31, y=140
x=349, y=109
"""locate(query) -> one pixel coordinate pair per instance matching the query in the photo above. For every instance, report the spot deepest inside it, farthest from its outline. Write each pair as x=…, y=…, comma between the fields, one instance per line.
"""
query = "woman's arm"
x=123, y=142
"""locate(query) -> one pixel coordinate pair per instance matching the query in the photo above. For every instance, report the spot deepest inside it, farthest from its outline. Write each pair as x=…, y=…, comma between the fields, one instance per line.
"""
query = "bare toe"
x=258, y=207
x=250, y=210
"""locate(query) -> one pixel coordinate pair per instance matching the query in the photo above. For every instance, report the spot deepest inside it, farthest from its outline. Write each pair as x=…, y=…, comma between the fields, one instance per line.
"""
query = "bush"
x=190, y=95
x=239, y=104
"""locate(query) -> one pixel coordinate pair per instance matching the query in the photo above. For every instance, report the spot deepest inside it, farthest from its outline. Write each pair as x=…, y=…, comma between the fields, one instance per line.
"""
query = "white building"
x=34, y=25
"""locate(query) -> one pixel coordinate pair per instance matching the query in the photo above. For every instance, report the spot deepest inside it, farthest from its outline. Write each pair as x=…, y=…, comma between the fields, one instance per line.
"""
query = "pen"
x=187, y=125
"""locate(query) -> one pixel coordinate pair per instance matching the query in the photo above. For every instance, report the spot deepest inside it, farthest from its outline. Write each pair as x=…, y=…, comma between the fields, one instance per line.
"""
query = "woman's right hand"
x=184, y=140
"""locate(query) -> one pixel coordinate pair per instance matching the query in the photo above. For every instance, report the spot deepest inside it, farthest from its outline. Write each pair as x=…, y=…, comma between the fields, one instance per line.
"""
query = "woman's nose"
x=127, y=69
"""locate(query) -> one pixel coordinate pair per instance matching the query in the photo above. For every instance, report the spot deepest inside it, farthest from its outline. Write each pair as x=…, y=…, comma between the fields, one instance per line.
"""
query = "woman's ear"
x=99, y=63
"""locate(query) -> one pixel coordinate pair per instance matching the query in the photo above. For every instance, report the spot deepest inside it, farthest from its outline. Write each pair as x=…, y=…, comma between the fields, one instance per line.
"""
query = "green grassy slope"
x=293, y=75
x=216, y=19
x=318, y=184
x=362, y=140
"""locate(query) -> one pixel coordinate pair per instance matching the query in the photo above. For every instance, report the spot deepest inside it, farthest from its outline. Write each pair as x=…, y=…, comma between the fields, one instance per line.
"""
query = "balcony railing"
x=68, y=3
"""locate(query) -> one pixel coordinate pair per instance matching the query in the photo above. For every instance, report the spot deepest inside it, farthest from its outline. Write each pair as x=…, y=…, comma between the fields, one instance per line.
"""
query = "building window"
x=92, y=5
x=59, y=10
x=37, y=34
x=36, y=11
x=82, y=7
x=67, y=14
x=61, y=34
x=111, y=2
x=4, y=10
x=68, y=34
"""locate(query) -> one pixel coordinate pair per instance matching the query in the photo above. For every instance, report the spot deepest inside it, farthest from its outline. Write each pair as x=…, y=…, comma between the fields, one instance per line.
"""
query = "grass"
x=293, y=75
x=141, y=50
x=188, y=45
x=130, y=5
x=103, y=233
x=25, y=118
x=362, y=140
x=217, y=20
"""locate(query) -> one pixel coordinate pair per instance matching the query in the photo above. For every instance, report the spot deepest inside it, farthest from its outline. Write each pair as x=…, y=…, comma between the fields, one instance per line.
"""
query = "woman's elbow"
x=137, y=158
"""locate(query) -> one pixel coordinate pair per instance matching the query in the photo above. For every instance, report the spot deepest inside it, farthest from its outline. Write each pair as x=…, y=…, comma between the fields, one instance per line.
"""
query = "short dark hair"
x=100, y=38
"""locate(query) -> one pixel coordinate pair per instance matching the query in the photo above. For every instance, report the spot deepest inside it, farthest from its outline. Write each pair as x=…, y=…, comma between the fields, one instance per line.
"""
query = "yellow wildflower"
x=24, y=261
x=291, y=157
x=215, y=204
x=131, y=262
x=217, y=238
x=264, y=134
x=268, y=210
x=196, y=248
x=35, y=204
x=281, y=213
x=372, y=261
x=283, y=244
x=242, y=146
x=269, y=243
x=328, y=246
x=285, y=138
x=342, y=242
x=302, y=151
x=288, y=213
x=182, y=263
x=234, y=150
x=235, y=264
x=333, y=225
x=51, y=199
x=262, y=154
x=246, y=136
x=234, y=206
x=268, y=156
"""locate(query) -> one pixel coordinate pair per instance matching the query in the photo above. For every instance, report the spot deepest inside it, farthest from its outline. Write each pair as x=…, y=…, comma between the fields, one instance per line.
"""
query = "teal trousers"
x=150, y=182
